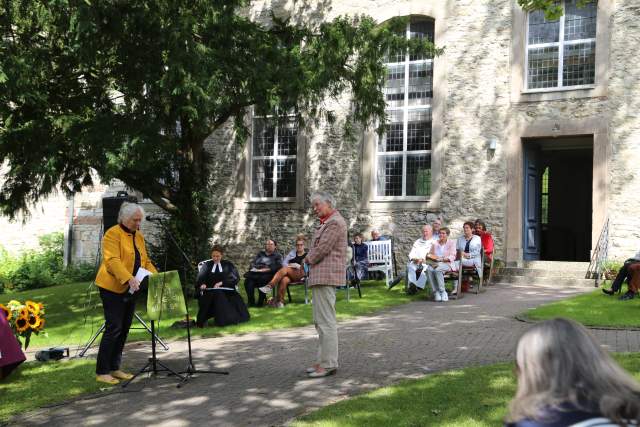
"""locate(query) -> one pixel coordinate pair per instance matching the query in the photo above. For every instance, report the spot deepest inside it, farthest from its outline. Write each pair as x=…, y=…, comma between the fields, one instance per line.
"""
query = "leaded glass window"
x=273, y=159
x=562, y=53
x=403, y=166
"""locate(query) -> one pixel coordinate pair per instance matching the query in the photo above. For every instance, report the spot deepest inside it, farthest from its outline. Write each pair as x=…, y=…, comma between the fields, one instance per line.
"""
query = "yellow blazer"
x=118, y=257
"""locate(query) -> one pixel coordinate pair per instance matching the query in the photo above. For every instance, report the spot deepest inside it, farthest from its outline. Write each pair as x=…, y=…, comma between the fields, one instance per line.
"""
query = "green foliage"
x=41, y=267
x=611, y=267
x=552, y=8
x=131, y=90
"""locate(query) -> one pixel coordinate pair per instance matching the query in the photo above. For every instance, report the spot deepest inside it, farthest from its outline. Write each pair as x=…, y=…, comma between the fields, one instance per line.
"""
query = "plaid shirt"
x=327, y=255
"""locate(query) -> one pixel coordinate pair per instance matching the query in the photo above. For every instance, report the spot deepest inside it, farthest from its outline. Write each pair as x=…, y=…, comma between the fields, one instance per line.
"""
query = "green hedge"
x=39, y=268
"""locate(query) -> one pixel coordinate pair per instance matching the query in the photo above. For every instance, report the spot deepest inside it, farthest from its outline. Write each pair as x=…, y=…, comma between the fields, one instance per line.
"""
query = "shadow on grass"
x=36, y=384
x=469, y=397
x=475, y=396
x=74, y=313
x=592, y=309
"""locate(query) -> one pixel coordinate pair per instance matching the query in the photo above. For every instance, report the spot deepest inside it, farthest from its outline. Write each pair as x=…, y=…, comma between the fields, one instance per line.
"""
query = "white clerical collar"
x=214, y=267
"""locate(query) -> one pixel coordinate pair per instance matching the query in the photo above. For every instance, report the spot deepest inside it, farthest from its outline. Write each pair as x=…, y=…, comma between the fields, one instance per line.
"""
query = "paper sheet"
x=142, y=273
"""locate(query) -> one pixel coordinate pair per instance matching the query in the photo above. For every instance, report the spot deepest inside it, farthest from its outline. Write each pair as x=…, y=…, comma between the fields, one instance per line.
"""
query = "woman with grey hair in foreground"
x=566, y=379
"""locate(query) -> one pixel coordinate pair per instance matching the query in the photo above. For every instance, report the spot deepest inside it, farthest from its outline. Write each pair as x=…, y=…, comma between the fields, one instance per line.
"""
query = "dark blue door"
x=531, y=203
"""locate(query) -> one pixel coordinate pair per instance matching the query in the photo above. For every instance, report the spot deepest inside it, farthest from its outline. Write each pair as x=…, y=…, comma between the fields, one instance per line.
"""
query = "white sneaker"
x=266, y=289
x=444, y=296
x=437, y=296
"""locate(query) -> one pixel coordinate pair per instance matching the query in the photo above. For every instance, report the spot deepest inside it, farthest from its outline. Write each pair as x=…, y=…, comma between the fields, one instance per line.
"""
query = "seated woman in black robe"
x=217, y=295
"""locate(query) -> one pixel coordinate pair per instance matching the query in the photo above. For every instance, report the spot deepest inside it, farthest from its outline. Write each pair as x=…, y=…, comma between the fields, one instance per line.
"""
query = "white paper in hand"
x=140, y=275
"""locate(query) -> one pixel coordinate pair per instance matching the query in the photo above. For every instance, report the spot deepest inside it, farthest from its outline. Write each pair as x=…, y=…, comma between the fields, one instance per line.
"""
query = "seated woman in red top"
x=486, y=238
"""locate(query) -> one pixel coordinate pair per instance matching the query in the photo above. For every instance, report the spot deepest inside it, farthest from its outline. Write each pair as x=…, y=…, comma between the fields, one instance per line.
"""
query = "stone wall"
x=48, y=216
x=624, y=130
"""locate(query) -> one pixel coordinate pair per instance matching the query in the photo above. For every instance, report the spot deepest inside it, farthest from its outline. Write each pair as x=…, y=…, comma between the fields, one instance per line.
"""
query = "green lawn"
x=74, y=313
x=592, y=309
x=476, y=396
x=35, y=384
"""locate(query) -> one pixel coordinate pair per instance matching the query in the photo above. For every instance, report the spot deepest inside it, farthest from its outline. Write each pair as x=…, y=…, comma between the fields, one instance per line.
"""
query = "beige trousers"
x=324, y=317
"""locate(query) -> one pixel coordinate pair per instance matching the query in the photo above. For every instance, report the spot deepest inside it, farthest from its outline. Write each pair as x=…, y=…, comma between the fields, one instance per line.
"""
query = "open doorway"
x=558, y=198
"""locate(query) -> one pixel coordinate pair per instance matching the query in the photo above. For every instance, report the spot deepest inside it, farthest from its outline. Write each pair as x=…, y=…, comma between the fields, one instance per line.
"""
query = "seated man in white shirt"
x=415, y=277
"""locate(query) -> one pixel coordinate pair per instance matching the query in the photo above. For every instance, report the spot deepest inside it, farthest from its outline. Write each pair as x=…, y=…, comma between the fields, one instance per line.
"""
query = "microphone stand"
x=186, y=261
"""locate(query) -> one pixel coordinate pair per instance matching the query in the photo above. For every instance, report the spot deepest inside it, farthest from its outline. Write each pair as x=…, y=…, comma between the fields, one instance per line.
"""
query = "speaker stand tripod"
x=153, y=365
x=142, y=322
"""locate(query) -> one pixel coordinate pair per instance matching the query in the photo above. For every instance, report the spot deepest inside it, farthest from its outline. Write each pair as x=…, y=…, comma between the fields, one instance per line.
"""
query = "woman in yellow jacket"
x=123, y=253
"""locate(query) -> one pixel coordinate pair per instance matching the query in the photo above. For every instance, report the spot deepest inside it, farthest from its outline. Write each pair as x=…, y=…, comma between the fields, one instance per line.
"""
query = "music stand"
x=152, y=364
x=142, y=322
x=191, y=368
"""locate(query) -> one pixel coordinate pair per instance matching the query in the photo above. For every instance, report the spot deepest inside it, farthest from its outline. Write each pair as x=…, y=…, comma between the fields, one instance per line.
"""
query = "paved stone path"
x=267, y=385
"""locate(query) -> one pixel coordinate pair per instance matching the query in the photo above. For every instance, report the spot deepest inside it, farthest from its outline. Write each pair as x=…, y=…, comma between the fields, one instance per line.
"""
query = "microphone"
x=154, y=218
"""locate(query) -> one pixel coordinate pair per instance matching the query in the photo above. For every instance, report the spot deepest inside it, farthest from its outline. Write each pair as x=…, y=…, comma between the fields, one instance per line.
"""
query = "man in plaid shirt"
x=327, y=262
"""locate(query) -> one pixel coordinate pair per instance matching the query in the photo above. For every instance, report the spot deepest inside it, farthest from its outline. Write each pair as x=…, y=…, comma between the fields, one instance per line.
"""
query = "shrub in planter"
x=610, y=268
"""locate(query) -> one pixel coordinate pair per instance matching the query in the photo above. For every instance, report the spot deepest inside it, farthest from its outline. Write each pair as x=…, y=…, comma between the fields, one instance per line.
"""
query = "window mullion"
x=561, y=47
x=405, y=115
x=274, y=176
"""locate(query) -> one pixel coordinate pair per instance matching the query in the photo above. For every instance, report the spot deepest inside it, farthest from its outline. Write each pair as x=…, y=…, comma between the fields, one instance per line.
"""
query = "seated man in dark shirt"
x=262, y=269
x=361, y=259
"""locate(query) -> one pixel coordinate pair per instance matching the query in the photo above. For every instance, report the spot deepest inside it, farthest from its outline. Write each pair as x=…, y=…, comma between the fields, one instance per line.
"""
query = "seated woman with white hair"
x=443, y=252
x=565, y=378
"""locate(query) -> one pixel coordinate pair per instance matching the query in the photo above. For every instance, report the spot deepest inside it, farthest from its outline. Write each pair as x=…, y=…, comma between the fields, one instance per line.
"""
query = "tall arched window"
x=403, y=155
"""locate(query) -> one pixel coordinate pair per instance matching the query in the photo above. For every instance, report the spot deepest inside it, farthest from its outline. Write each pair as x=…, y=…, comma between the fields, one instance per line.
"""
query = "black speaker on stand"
x=111, y=207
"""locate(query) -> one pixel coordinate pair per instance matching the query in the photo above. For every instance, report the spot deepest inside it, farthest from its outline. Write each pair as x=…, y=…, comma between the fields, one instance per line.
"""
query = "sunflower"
x=41, y=325
x=22, y=324
x=6, y=311
x=24, y=312
x=33, y=307
x=34, y=322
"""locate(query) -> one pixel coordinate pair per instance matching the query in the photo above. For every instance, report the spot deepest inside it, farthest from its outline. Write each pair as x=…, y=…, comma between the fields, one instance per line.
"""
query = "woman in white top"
x=444, y=253
x=469, y=246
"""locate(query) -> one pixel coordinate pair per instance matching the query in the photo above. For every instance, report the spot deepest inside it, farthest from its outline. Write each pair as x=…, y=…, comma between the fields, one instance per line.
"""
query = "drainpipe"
x=68, y=233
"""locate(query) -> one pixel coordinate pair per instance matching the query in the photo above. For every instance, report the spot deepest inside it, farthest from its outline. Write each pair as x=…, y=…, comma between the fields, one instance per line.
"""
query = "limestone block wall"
x=624, y=133
x=48, y=216
x=475, y=98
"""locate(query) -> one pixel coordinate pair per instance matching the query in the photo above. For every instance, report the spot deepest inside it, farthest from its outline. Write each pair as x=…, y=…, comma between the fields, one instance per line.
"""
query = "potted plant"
x=610, y=268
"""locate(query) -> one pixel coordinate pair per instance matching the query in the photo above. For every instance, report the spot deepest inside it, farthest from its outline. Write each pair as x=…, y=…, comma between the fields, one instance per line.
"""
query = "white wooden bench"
x=380, y=258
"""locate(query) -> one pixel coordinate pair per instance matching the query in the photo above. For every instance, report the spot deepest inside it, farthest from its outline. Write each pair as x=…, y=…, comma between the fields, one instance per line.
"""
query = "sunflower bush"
x=25, y=319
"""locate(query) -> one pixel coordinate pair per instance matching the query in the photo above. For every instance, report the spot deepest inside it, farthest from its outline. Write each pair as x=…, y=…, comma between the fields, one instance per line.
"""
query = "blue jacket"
x=361, y=252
